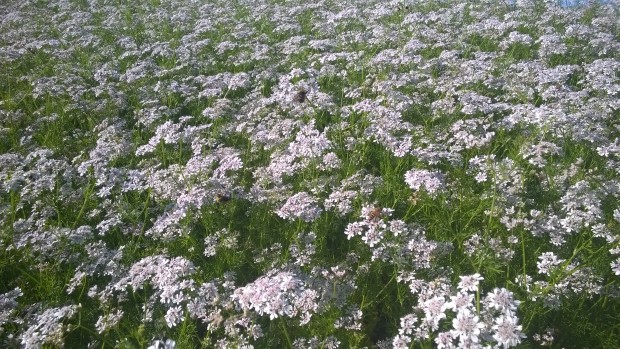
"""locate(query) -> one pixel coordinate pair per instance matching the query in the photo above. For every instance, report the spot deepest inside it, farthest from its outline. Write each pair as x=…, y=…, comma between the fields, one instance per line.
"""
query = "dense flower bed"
x=323, y=174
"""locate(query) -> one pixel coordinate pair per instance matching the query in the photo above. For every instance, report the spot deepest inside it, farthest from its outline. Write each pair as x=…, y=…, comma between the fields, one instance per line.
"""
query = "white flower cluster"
x=372, y=228
x=330, y=342
x=615, y=265
x=109, y=320
x=393, y=239
x=431, y=181
x=168, y=277
x=8, y=304
x=48, y=327
x=492, y=322
x=279, y=293
x=300, y=206
x=359, y=185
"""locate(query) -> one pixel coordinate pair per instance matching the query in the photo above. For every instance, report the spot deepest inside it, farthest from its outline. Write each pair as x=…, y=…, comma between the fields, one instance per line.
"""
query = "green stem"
x=163, y=153
x=14, y=201
x=523, y=257
x=381, y=291
x=145, y=210
x=478, y=300
x=288, y=339
x=86, y=197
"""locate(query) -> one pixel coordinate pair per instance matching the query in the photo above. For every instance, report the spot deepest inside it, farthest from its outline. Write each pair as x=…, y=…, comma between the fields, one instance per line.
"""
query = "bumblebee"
x=375, y=214
x=403, y=7
x=300, y=96
x=222, y=198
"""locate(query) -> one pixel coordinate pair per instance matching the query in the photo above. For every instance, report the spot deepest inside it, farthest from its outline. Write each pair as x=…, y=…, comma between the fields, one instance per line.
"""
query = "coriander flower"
x=502, y=300
x=548, y=260
x=433, y=311
x=507, y=332
x=432, y=181
x=469, y=282
x=401, y=342
x=444, y=340
x=174, y=315
x=615, y=266
x=302, y=206
x=466, y=326
x=461, y=301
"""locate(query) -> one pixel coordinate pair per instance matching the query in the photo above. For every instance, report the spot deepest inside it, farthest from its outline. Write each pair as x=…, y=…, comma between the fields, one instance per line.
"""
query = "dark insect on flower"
x=221, y=198
x=375, y=214
x=300, y=96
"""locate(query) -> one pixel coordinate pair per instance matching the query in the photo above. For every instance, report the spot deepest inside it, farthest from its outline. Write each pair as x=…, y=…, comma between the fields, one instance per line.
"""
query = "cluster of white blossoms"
x=300, y=206
x=476, y=323
x=373, y=226
x=431, y=181
x=48, y=327
x=278, y=293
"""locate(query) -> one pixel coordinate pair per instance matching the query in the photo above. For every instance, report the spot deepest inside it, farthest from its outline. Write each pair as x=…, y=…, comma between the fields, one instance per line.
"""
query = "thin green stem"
x=89, y=190
x=283, y=326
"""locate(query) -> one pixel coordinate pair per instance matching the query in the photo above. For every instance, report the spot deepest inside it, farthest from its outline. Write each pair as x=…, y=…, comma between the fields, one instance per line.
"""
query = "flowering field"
x=309, y=174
